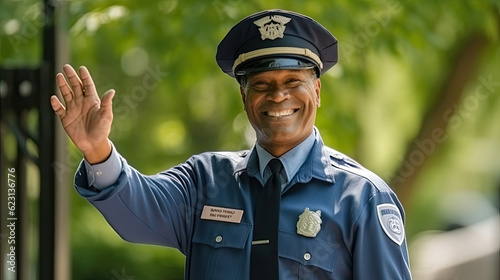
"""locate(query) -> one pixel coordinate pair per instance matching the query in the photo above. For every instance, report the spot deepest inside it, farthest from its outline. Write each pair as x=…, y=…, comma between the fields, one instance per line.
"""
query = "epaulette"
x=341, y=159
x=348, y=164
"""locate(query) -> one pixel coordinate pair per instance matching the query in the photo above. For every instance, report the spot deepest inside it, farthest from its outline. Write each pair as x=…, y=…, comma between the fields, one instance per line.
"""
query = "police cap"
x=276, y=39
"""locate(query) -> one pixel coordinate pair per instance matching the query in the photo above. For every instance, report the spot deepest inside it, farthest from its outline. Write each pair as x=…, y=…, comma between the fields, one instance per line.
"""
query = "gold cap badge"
x=272, y=27
x=309, y=223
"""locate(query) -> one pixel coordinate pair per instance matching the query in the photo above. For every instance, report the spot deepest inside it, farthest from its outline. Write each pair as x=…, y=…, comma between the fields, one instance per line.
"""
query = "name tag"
x=221, y=214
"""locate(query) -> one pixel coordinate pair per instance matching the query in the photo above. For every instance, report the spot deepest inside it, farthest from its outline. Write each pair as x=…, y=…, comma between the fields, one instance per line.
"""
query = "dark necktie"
x=264, y=260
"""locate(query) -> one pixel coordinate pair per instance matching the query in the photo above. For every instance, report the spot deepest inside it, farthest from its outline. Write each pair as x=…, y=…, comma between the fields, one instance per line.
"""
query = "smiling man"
x=281, y=106
x=289, y=208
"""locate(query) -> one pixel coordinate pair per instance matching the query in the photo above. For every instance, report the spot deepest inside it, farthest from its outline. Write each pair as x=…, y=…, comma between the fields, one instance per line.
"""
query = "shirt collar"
x=317, y=164
x=291, y=160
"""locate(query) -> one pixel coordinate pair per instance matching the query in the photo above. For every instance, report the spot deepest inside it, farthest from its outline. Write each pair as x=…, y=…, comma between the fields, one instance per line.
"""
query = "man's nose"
x=278, y=94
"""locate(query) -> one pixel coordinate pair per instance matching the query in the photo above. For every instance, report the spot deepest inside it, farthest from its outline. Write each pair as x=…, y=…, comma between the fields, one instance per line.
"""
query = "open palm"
x=85, y=117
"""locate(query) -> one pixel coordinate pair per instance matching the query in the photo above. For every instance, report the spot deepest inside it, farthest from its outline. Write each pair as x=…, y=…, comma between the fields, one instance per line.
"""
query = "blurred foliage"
x=172, y=100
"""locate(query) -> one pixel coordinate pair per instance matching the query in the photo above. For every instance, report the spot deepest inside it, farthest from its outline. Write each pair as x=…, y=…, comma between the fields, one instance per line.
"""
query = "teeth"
x=280, y=113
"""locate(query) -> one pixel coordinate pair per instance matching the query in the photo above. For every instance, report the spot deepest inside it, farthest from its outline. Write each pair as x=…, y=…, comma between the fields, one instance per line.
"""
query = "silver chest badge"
x=309, y=223
x=272, y=27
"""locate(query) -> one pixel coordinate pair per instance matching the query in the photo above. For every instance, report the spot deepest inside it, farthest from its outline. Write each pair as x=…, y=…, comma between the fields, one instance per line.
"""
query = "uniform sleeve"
x=103, y=175
x=380, y=250
x=146, y=209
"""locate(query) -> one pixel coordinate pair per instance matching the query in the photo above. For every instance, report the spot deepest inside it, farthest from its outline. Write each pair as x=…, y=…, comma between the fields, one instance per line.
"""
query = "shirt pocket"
x=308, y=258
x=218, y=250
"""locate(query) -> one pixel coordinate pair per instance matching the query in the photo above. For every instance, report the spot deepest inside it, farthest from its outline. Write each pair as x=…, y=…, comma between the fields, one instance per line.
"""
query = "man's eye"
x=293, y=82
x=260, y=85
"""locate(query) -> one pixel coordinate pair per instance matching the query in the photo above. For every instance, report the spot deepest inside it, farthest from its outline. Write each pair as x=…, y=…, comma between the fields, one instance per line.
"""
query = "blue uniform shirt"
x=361, y=233
x=291, y=160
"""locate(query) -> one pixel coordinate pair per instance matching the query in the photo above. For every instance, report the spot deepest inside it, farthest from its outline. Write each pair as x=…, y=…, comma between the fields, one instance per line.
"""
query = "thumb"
x=107, y=98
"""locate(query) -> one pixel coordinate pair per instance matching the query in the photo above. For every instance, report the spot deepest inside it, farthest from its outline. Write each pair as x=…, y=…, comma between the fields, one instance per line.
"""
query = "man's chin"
x=279, y=136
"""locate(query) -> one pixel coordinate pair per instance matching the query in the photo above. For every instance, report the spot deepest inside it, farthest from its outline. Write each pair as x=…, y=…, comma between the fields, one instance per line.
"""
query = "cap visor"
x=274, y=63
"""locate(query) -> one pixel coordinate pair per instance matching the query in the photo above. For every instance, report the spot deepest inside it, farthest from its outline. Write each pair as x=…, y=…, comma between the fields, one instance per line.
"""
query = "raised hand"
x=85, y=118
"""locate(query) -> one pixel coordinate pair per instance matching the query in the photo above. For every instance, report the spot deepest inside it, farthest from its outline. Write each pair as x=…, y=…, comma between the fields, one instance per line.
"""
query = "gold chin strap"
x=277, y=50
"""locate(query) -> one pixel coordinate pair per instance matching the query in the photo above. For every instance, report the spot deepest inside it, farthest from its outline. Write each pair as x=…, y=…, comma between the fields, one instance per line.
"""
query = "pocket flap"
x=306, y=250
x=220, y=234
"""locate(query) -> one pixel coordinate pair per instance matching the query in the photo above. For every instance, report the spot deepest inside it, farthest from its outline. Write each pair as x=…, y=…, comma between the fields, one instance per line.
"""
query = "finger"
x=88, y=83
x=107, y=98
x=74, y=80
x=66, y=91
x=57, y=106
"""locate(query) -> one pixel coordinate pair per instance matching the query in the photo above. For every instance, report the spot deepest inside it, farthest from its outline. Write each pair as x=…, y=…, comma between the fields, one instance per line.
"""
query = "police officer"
x=289, y=208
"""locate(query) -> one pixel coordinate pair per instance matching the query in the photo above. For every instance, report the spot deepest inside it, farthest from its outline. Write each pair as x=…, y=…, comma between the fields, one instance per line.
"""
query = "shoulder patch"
x=391, y=222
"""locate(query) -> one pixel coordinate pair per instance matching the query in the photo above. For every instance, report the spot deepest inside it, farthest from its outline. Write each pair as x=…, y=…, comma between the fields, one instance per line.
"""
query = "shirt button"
x=98, y=173
x=218, y=239
x=338, y=156
x=307, y=256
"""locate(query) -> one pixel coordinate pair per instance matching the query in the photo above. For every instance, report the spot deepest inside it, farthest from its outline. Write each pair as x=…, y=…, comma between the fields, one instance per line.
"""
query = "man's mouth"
x=282, y=113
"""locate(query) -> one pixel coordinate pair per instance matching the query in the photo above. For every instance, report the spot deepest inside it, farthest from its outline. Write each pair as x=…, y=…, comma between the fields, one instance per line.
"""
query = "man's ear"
x=317, y=89
x=243, y=95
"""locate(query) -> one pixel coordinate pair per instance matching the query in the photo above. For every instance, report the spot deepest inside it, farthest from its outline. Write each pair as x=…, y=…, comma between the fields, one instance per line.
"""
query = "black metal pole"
x=21, y=212
x=47, y=148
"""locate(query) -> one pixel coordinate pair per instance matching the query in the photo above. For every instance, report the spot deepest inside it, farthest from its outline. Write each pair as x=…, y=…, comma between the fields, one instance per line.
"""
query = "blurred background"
x=415, y=97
